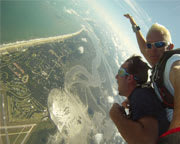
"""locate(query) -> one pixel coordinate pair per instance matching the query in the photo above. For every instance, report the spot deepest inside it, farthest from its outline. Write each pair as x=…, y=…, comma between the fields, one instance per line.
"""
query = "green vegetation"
x=29, y=74
x=41, y=133
x=12, y=138
x=3, y=138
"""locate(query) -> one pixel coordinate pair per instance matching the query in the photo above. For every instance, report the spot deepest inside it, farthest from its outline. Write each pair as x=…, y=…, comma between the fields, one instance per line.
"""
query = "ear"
x=130, y=78
x=171, y=46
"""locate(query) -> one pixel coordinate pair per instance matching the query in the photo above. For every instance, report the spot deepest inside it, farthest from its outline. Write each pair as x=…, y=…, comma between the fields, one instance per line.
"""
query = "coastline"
x=22, y=45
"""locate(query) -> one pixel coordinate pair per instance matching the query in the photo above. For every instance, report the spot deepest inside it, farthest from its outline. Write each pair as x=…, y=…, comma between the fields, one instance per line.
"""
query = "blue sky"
x=145, y=12
x=165, y=12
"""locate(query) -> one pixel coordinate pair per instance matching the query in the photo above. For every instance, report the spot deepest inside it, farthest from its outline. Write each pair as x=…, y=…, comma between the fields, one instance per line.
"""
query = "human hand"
x=127, y=16
x=125, y=103
x=116, y=111
x=130, y=18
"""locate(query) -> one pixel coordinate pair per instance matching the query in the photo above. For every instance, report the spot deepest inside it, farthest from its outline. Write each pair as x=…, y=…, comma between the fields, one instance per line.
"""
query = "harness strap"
x=157, y=77
x=171, y=131
x=167, y=99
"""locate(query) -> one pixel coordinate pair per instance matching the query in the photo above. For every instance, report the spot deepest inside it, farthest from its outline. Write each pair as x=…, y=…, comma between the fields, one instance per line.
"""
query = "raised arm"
x=175, y=81
x=139, y=36
x=143, y=131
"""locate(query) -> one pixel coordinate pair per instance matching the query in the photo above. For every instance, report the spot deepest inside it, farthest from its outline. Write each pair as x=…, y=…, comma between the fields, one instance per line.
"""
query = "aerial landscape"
x=31, y=71
x=58, y=62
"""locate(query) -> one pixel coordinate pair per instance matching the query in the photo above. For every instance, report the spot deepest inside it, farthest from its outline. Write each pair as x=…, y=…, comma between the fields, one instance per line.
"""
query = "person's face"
x=154, y=54
x=122, y=81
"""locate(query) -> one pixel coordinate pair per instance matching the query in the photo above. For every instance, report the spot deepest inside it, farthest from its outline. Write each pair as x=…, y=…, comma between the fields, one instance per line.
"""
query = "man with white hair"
x=154, y=48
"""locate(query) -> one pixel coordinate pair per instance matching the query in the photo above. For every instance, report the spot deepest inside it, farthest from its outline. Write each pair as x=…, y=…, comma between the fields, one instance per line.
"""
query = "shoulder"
x=175, y=73
x=175, y=68
x=143, y=91
x=143, y=94
x=172, y=65
x=175, y=65
x=143, y=103
x=173, y=60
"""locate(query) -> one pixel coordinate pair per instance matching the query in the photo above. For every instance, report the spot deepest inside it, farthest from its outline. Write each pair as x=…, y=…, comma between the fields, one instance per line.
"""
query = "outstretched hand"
x=130, y=18
x=127, y=16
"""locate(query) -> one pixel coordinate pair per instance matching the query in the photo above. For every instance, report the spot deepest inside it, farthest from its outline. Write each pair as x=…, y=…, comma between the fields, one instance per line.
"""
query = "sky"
x=145, y=13
x=165, y=12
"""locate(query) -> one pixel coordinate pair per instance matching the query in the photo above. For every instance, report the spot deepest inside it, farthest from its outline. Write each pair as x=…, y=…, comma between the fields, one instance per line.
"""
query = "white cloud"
x=117, y=134
x=81, y=49
x=117, y=61
x=114, y=90
x=70, y=11
x=87, y=12
x=110, y=99
x=124, y=55
x=115, y=42
x=84, y=39
x=98, y=137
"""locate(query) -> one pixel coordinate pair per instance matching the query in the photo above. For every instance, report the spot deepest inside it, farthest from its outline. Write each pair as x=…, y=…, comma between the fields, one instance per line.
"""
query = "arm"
x=175, y=81
x=143, y=131
x=139, y=36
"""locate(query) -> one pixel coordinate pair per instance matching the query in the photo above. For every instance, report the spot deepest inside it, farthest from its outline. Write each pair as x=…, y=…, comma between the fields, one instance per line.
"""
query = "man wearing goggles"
x=147, y=118
x=157, y=42
x=122, y=72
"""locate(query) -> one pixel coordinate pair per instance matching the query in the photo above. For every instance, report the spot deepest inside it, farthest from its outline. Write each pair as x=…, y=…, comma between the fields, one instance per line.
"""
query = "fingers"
x=125, y=103
x=130, y=18
x=116, y=105
x=127, y=16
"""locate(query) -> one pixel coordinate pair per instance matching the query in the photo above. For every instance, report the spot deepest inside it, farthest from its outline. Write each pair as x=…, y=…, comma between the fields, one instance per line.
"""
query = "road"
x=18, y=133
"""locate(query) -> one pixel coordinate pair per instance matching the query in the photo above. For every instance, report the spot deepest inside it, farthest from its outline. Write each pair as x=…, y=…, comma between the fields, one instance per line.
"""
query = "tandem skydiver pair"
x=154, y=113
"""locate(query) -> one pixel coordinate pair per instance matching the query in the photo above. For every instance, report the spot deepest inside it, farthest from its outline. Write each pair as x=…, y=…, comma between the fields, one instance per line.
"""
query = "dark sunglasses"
x=158, y=44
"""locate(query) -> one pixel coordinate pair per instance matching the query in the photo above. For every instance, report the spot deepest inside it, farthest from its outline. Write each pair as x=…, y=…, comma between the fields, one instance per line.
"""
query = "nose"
x=153, y=47
x=116, y=76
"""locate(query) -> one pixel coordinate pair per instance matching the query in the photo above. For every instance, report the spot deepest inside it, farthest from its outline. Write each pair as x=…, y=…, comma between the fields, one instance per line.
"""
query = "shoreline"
x=15, y=46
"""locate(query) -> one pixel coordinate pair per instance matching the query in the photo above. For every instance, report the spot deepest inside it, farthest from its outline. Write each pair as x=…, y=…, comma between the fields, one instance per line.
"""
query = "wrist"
x=135, y=28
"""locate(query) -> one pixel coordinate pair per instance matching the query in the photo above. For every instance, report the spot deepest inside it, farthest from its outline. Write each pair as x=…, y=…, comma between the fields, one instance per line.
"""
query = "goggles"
x=158, y=44
x=122, y=72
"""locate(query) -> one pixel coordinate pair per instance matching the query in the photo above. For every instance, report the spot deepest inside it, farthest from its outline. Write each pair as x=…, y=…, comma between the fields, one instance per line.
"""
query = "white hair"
x=162, y=29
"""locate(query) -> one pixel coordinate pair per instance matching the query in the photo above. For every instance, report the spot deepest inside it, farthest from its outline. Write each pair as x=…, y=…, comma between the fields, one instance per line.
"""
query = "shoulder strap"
x=157, y=77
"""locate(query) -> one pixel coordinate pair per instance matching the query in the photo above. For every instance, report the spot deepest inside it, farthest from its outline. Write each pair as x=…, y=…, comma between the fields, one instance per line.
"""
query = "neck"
x=130, y=90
